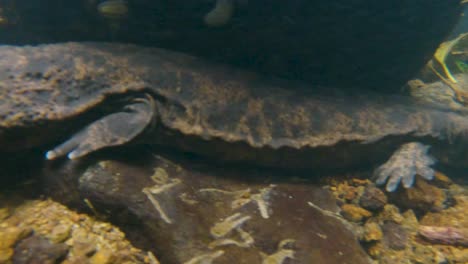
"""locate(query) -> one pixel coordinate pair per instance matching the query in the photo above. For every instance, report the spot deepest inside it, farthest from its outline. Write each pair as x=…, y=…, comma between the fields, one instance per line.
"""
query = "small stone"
x=372, y=232
x=12, y=235
x=350, y=193
x=410, y=220
x=38, y=249
x=346, y=192
x=81, y=248
x=422, y=197
x=360, y=182
x=60, y=233
x=354, y=213
x=103, y=256
x=391, y=213
x=373, y=198
x=395, y=237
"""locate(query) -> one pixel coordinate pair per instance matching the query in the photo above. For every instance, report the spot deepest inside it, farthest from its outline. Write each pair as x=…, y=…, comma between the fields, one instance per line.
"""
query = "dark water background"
x=349, y=43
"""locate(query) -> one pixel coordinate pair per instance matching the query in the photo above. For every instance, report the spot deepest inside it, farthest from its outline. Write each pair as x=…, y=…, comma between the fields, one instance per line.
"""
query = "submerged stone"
x=43, y=231
x=193, y=213
x=373, y=198
x=37, y=249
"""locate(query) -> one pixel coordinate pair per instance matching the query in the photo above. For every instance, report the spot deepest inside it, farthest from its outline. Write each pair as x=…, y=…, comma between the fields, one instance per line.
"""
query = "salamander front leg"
x=409, y=160
x=111, y=130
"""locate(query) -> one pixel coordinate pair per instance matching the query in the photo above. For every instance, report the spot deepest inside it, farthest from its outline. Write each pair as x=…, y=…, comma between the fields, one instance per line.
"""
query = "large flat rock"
x=189, y=213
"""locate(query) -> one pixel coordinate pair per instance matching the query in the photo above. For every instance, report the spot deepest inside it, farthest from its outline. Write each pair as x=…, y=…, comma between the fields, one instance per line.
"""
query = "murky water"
x=233, y=131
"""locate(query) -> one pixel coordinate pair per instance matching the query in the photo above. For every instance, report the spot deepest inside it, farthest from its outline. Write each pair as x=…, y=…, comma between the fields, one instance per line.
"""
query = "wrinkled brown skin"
x=49, y=92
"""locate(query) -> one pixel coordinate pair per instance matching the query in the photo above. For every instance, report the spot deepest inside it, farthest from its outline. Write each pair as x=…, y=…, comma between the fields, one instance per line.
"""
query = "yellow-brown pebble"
x=103, y=256
x=11, y=235
x=354, y=213
x=391, y=213
x=372, y=232
x=423, y=196
x=60, y=233
x=87, y=240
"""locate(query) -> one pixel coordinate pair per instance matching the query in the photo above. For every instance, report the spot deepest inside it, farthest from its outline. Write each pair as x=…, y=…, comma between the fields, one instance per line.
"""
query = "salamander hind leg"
x=111, y=130
x=409, y=160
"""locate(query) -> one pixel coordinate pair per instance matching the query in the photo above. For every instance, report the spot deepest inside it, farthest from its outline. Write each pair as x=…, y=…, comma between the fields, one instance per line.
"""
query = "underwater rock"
x=373, y=198
x=423, y=197
x=454, y=215
x=394, y=236
x=354, y=213
x=190, y=213
x=372, y=232
x=46, y=232
x=10, y=236
x=445, y=235
x=37, y=249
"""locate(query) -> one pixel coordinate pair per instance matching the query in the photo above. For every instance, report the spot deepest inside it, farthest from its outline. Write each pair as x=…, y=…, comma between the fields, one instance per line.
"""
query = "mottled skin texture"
x=205, y=108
